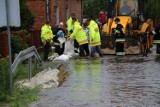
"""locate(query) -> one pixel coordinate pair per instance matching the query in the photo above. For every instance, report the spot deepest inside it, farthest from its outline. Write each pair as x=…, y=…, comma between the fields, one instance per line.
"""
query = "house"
x=54, y=10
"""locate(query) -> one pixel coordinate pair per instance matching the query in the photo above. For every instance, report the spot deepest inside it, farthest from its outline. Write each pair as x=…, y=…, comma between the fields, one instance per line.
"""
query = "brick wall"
x=0, y=47
x=3, y=44
x=39, y=11
x=38, y=8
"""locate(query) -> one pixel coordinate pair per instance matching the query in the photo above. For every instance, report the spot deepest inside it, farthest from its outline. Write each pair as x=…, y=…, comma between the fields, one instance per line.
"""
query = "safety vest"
x=46, y=34
x=119, y=29
x=79, y=34
x=69, y=24
x=76, y=23
x=94, y=34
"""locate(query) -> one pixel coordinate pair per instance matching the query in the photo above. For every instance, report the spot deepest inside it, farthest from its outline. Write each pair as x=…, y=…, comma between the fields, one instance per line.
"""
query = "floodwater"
x=111, y=81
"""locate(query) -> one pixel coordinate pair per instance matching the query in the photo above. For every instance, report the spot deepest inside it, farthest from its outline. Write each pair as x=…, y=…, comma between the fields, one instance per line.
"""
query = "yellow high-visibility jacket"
x=79, y=34
x=46, y=34
x=94, y=34
x=76, y=23
x=69, y=24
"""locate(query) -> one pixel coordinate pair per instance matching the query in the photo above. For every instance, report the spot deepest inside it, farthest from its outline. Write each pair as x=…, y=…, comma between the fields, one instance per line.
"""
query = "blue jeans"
x=95, y=49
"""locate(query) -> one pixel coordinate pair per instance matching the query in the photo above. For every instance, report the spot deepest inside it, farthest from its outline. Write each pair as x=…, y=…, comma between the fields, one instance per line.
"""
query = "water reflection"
x=87, y=73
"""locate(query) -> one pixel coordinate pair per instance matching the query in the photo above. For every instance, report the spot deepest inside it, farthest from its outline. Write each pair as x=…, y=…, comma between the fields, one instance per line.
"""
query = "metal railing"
x=26, y=54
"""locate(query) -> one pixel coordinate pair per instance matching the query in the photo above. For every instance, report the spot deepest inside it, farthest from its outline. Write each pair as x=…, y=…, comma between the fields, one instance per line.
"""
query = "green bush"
x=17, y=43
x=4, y=79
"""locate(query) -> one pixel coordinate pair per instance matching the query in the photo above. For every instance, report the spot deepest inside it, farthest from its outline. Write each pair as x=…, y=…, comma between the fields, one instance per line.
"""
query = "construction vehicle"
x=130, y=13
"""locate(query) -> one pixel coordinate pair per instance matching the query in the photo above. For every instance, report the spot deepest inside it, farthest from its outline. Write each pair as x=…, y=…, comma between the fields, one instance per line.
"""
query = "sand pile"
x=46, y=79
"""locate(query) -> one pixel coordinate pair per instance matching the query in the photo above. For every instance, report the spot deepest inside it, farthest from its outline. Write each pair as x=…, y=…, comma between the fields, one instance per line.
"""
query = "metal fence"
x=26, y=54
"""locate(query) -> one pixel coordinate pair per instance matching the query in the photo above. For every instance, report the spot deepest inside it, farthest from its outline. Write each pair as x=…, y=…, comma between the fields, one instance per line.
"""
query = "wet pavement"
x=111, y=81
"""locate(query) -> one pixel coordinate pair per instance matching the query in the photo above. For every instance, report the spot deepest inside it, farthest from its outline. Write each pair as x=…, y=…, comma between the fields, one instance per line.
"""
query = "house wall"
x=38, y=8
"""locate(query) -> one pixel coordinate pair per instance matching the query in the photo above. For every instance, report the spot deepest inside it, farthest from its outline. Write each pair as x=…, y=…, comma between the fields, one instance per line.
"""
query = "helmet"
x=117, y=19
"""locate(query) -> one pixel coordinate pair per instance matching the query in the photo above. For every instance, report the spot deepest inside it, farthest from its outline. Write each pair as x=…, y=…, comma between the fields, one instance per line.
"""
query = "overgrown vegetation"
x=4, y=79
x=91, y=8
x=152, y=8
x=20, y=97
x=18, y=41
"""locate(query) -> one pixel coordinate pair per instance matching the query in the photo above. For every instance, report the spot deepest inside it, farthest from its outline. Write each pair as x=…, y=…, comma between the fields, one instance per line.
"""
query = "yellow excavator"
x=130, y=13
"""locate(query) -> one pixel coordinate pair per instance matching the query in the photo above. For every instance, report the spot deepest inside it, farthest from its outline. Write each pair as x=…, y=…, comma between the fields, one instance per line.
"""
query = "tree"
x=87, y=8
x=91, y=8
x=152, y=8
x=27, y=18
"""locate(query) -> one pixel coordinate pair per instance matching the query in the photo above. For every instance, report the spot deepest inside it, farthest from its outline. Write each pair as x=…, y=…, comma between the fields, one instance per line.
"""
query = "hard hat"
x=117, y=19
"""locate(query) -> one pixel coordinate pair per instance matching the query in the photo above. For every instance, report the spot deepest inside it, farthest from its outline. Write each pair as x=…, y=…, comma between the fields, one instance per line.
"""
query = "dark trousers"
x=46, y=51
x=144, y=42
x=95, y=49
x=158, y=49
x=84, y=50
x=119, y=47
x=76, y=46
x=59, y=49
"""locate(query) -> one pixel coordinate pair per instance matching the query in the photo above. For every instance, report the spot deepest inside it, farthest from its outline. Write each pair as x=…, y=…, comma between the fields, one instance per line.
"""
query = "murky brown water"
x=112, y=81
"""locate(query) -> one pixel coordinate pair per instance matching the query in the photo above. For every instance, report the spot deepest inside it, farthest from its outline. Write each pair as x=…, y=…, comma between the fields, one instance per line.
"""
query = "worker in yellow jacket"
x=69, y=23
x=70, y=30
x=46, y=38
x=80, y=36
x=95, y=40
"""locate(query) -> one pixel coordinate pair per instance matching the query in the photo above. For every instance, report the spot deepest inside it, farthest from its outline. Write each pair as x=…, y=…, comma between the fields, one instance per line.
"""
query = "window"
x=56, y=15
x=67, y=13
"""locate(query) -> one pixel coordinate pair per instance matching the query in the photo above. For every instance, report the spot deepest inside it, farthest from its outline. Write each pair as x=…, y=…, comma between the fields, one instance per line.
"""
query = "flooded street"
x=111, y=81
